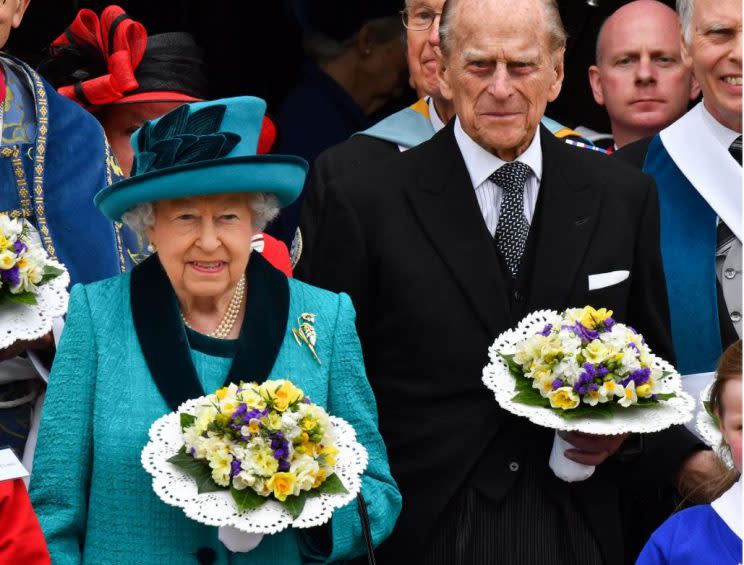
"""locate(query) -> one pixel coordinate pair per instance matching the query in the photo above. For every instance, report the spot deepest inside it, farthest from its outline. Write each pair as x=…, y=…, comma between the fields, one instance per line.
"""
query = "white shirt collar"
x=436, y=121
x=724, y=135
x=481, y=164
x=728, y=507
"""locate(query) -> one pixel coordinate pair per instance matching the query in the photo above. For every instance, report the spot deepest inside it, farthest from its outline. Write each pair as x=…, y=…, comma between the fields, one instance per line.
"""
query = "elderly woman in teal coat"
x=200, y=312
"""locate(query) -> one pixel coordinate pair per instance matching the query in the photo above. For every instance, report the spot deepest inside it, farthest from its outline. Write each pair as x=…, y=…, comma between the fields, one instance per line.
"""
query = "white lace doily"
x=32, y=321
x=634, y=419
x=176, y=488
x=708, y=429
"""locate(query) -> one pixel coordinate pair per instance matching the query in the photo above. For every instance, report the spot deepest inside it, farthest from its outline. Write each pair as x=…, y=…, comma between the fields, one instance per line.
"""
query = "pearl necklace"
x=227, y=323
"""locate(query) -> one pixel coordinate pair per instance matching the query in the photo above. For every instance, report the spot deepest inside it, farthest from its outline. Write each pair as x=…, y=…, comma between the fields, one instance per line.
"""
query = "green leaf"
x=706, y=405
x=514, y=368
x=523, y=384
x=246, y=499
x=295, y=504
x=531, y=398
x=197, y=469
x=50, y=272
x=187, y=420
x=22, y=298
x=332, y=485
x=665, y=396
x=585, y=411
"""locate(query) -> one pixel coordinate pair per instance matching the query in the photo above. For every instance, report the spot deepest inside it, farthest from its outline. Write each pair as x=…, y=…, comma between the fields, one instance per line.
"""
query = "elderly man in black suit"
x=454, y=241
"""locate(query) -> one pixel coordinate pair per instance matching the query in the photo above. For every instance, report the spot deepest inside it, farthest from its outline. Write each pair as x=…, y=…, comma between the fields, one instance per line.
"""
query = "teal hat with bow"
x=203, y=148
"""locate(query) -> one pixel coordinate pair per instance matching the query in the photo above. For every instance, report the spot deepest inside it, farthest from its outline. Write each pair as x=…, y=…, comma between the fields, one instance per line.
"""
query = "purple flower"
x=283, y=466
x=11, y=276
x=557, y=383
x=192, y=452
x=19, y=247
x=235, y=468
x=609, y=323
x=585, y=377
x=640, y=376
x=546, y=330
x=584, y=333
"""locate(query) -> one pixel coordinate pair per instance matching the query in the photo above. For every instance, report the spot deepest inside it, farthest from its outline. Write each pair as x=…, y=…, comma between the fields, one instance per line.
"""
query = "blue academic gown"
x=695, y=536
x=54, y=158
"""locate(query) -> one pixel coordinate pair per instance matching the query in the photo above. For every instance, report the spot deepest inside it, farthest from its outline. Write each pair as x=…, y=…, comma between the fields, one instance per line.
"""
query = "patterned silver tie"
x=512, y=228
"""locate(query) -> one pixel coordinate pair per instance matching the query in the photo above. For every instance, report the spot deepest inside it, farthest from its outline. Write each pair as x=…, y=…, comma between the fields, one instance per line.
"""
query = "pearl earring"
x=151, y=248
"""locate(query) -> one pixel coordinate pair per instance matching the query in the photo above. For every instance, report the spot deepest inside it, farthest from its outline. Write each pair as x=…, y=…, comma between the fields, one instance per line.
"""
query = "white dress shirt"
x=481, y=164
x=723, y=135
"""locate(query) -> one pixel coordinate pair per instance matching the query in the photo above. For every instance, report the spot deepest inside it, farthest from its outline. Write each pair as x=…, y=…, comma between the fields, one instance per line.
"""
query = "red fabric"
x=276, y=253
x=267, y=137
x=121, y=52
x=21, y=540
x=2, y=86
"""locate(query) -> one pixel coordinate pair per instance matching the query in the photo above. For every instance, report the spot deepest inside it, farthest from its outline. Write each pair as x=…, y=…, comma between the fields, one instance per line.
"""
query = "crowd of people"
x=197, y=232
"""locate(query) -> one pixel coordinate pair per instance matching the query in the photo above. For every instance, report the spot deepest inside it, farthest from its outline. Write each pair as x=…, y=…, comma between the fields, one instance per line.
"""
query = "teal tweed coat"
x=124, y=360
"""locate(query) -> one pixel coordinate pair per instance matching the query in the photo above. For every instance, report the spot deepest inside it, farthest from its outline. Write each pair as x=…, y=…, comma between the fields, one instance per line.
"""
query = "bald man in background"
x=639, y=75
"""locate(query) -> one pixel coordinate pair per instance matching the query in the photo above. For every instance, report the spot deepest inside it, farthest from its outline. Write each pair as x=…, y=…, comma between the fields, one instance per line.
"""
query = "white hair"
x=264, y=205
x=556, y=31
x=685, y=8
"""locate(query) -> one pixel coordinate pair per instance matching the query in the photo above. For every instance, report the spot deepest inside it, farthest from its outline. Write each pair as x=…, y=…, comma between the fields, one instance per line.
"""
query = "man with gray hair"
x=452, y=242
x=639, y=75
x=696, y=163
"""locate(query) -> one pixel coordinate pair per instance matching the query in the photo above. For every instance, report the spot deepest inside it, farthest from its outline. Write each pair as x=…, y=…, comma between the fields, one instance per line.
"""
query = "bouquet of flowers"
x=271, y=457
x=33, y=287
x=261, y=441
x=24, y=266
x=581, y=371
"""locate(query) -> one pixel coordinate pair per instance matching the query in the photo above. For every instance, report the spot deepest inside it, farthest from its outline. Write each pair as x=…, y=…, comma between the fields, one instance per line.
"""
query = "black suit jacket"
x=408, y=242
x=359, y=155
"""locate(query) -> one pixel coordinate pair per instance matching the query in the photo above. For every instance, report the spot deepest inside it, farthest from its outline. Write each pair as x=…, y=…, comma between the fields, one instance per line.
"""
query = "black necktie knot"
x=511, y=176
x=735, y=149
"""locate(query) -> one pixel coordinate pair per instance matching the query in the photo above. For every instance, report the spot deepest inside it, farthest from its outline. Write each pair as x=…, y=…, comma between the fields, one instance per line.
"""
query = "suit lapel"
x=443, y=201
x=164, y=343
x=568, y=210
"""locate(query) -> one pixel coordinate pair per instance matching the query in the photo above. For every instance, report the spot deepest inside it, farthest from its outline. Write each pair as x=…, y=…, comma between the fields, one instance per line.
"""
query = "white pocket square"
x=601, y=280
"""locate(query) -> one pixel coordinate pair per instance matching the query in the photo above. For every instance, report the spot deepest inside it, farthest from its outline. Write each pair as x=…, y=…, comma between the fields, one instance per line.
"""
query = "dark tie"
x=512, y=227
x=735, y=149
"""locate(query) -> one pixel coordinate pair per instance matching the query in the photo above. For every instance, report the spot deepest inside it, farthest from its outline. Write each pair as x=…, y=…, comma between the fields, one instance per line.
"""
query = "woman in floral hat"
x=201, y=312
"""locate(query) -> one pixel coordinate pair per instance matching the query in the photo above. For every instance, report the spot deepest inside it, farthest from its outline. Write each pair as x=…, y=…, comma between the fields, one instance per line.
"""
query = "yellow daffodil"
x=284, y=396
x=319, y=478
x=564, y=398
x=282, y=484
x=219, y=461
x=596, y=352
x=309, y=423
x=329, y=453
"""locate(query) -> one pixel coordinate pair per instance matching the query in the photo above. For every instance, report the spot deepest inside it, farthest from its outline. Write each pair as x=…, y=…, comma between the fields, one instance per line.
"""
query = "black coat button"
x=518, y=296
x=206, y=556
